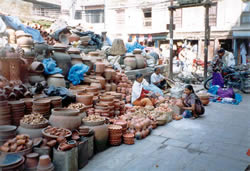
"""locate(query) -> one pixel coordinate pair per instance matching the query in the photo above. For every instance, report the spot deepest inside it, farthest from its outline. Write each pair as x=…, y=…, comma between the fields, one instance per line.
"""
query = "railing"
x=50, y=13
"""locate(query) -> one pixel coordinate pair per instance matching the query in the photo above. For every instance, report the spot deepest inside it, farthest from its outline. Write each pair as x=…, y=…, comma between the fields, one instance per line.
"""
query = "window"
x=213, y=15
x=78, y=15
x=95, y=16
x=147, y=13
x=245, y=18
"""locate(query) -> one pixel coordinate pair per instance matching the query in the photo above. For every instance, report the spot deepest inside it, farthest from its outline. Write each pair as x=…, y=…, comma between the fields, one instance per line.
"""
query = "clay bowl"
x=53, y=136
x=107, y=98
x=16, y=104
x=18, y=166
x=92, y=89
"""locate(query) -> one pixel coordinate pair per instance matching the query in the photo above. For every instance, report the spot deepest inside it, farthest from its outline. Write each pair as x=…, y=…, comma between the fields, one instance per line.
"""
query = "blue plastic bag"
x=76, y=73
x=154, y=89
x=50, y=67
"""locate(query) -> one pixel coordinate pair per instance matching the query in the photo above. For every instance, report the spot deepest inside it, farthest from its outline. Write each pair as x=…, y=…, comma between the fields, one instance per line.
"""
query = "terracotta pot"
x=205, y=101
x=31, y=161
x=45, y=163
x=96, y=83
x=75, y=90
x=24, y=39
x=113, y=87
x=92, y=90
x=84, y=98
x=99, y=66
x=37, y=67
x=56, y=80
x=109, y=72
x=130, y=61
x=108, y=87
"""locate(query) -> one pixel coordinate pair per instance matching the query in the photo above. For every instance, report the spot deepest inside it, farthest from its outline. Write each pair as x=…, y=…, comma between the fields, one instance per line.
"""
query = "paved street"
x=216, y=142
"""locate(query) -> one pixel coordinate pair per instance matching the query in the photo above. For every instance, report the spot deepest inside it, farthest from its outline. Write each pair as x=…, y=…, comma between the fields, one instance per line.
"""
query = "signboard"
x=187, y=2
x=168, y=27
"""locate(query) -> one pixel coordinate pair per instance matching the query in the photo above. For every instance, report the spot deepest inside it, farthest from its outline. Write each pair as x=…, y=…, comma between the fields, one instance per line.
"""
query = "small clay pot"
x=44, y=161
x=31, y=160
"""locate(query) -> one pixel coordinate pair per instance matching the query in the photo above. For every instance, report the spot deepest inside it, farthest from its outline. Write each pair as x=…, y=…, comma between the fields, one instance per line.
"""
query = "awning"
x=241, y=34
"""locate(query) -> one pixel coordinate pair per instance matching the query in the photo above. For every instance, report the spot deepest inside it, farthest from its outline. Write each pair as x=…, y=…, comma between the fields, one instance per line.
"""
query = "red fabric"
x=143, y=93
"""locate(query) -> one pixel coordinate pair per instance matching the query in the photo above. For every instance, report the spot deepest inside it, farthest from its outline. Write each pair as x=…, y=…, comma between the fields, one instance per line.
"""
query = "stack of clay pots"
x=56, y=101
x=36, y=73
x=115, y=134
x=17, y=111
x=123, y=124
x=85, y=98
x=84, y=130
x=7, y=132
x=124, y=87
x=28, y=105
x=65, y=118
x=128, y=138
x=5, y=113
x=42, y=106
x=109, y=101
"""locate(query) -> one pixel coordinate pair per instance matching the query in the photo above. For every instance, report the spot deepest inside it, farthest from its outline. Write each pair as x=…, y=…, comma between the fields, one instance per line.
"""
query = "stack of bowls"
x=129, y=139
x=42, y=106
x=11, y=162
x=7, y=132
x=28, y=105
x=17, y=110
x=5, y=113
x=115, y=134
x=123, y=124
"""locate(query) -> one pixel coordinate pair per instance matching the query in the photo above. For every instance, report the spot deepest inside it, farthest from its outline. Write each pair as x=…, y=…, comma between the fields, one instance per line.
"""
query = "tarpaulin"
x=76, y=73
x=50, y=67
x=131, y=47
x=16, y=24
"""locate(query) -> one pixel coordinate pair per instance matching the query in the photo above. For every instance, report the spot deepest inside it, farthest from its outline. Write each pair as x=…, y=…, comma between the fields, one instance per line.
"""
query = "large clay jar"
x=101, y=137
x=24, y=39
x=99, y=66
x=56, y=80
x=84, y=98
x=113, y=87
x=130, y=61
x=139, y=61
x=63, y=60
x=65, y=118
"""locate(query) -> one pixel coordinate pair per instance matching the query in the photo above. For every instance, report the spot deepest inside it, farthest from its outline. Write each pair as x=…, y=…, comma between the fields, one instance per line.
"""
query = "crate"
x=187, y=2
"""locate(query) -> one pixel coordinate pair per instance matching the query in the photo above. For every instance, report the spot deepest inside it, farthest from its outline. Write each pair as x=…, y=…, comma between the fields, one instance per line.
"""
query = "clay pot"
x=99, y=66
x=84, y=98
x=35, y=78
x=56, y=80
x=130, y=61
x=40, y=47
x=205, y=101
x=73, y=38
x=113, y=87
x=75, y=90
x=96, y=83
x=31, y=161
x=109, y=72
x=108, y=87
x=24, y=39
x=37, y=67
x=139, y=61
x=101, y=80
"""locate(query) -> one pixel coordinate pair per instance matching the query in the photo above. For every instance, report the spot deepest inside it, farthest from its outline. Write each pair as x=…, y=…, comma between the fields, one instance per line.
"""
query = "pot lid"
x=57, y=76
x=74, y=50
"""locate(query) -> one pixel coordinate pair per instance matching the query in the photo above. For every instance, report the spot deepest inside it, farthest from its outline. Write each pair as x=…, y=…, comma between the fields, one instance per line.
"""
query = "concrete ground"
x=216, y=142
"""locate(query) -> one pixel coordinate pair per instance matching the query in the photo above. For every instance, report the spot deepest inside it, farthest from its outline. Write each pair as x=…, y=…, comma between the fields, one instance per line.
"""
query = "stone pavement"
x=216, y=142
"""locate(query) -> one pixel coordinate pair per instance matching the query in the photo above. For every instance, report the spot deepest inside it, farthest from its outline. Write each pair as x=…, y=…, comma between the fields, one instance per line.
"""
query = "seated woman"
x=191, y=104
x=140, y=96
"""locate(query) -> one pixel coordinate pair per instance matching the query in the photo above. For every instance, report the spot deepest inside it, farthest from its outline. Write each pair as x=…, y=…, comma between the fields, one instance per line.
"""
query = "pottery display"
x=42, y=106
x=65, y=118
x=56, y=80
x=17, y=111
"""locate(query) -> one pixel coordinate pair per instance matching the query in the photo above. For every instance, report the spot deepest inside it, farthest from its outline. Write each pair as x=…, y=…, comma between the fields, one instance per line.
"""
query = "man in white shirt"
x=158, y=79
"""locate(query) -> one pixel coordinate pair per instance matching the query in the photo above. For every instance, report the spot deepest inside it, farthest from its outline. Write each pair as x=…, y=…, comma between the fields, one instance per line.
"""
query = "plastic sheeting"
x=50, y=67
x=76, y=73
x=131, y=47
x=96, y=39
x=154, y=89
x=16, y=24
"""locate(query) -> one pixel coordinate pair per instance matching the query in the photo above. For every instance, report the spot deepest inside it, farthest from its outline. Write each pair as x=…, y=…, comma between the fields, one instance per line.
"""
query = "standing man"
x=243, y=53
x=158, y=79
